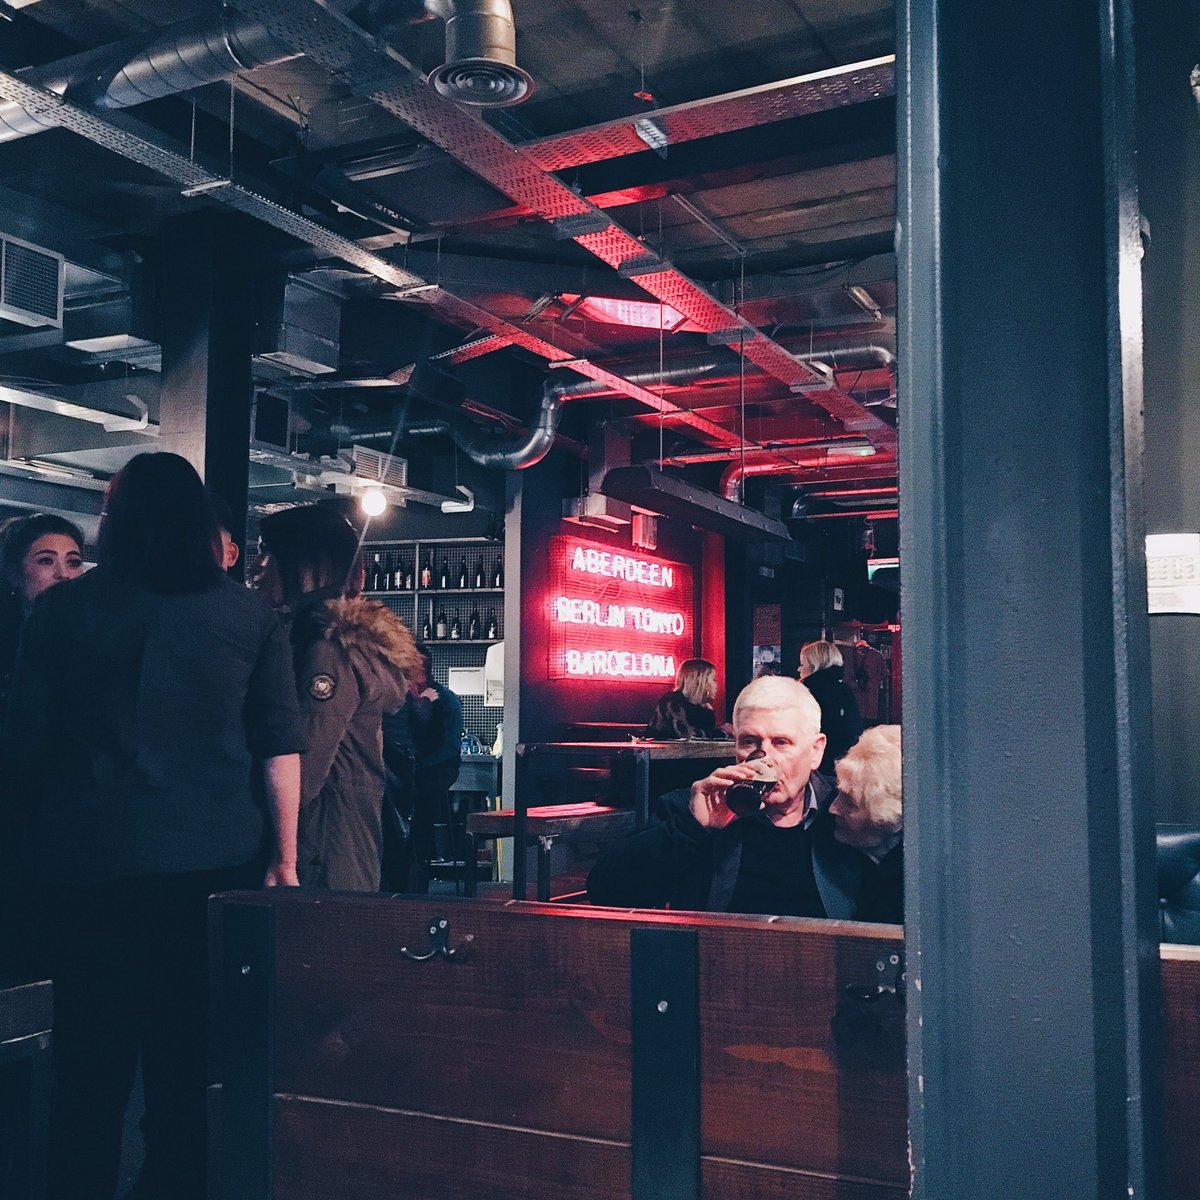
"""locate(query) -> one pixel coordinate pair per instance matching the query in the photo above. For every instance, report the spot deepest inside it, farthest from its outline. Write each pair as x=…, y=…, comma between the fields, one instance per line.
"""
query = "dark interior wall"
x=548, y=704
x=1168, y=43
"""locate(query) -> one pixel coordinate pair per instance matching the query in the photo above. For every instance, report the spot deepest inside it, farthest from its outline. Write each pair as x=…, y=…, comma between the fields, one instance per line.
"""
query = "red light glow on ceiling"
x=637, y=314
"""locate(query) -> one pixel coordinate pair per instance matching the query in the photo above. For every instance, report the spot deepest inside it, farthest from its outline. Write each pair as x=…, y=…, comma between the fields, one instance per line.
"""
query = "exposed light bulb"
x=373, y=502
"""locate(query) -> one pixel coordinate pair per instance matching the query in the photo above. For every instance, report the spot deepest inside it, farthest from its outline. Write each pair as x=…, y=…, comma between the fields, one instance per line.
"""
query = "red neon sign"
x=616, y=614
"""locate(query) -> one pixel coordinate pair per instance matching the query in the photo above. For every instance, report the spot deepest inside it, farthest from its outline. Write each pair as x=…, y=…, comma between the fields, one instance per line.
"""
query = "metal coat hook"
x=439, y=942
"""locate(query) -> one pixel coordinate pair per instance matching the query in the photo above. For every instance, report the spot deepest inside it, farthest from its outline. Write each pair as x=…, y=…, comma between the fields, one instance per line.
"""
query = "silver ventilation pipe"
x=179, y=58
x=738, y=472
x=481, y=54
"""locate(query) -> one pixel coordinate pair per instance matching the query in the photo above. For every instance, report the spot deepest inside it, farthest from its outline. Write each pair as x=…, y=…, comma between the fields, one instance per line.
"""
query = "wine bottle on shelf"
x=479, y=572
x=427, y=571
x=493, y=631
x=439, y=630
x=427, y=629
x=473, y=626
x=375, y=575
x=455, y=628
x=444, y=576
x=462, y=575
x=404, y=579
x=498, y=573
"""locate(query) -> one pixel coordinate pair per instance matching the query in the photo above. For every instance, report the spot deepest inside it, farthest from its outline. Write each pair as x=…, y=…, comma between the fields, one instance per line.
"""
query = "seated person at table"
x=867, y=814
x=781, y=859
x=687, y=712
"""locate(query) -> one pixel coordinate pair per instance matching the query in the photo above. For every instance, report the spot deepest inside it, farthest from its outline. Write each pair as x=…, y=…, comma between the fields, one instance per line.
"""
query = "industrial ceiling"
x=684, y=230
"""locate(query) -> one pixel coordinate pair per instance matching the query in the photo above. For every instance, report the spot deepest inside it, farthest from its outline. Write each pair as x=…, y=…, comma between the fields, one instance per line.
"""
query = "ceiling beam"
x=746, y=109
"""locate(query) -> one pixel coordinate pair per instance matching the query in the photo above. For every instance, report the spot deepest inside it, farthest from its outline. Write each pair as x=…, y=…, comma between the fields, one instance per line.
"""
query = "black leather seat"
x=1179, y=883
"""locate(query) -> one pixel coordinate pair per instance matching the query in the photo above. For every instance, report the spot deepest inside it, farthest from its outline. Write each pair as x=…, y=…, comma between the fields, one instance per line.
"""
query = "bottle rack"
x=397, y=574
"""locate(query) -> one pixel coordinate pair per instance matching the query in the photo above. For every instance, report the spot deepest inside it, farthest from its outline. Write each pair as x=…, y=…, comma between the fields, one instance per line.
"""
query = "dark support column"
x=206, y=284
x=1032, y=956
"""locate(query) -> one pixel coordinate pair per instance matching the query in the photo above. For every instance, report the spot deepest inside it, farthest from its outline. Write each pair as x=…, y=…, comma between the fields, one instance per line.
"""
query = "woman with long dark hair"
x=145, y=693
x=36, y=552
x=355, y=661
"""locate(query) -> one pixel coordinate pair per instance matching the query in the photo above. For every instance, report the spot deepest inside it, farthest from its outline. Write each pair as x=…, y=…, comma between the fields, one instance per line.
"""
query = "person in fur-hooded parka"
x=355, y=660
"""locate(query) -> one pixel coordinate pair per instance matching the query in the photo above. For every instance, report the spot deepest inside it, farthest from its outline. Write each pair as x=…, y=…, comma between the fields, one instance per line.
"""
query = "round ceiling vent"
x=482, y=82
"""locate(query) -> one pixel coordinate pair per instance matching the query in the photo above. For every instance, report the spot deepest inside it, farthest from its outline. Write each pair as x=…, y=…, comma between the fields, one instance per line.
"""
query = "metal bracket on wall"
x=664, y=986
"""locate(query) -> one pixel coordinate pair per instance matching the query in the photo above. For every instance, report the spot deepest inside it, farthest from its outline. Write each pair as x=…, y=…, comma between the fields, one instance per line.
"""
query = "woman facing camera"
x=36, y=552
x=146, y=693
x=354, y=661
x=687, y=711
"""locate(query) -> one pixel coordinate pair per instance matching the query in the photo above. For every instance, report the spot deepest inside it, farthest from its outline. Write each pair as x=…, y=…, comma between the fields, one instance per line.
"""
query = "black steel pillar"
x=208, y=273
x=1031, y=941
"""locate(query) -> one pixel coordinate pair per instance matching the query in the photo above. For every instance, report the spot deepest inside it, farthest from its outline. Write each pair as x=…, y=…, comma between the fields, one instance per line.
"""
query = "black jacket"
x=678, y=862
x=840, y=720
x=882, y=896
x=675, y=716
x=133, y=723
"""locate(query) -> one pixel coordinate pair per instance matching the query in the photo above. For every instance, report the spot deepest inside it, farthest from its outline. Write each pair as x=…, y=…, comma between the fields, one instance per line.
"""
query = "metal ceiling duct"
x=187, y=55
x=481, y=54
x=671, y=497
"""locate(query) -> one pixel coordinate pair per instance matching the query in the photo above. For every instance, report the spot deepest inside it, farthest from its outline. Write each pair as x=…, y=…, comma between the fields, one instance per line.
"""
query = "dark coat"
x=676, y=717
x=354, y=659
x=840, y=720
x=882, y=896
x=134, y=723
x=678, y=862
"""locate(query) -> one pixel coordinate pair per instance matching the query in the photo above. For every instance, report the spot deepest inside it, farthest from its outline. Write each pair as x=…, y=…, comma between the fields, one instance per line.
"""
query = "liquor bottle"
x=455, y=628
x=403, y=579
x=425, y=629
x=492, y=629
x=444, y=576
x=427, y=571
x=479, y=572
x=498, y=573
x=473, y=626
x=375, y=576
x=439, y=630
x=462, y=575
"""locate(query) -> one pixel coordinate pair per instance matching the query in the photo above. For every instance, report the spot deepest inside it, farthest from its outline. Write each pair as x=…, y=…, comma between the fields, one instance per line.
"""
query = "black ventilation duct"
x=644, y=487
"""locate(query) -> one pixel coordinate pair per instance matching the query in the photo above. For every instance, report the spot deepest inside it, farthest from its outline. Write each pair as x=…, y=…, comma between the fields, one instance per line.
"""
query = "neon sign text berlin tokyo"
x=622, y=566
x=618, y=616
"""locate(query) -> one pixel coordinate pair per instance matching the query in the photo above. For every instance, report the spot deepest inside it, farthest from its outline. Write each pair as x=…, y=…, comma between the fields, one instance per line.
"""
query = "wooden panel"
x=326, y=1150
x=528, y=1026
x=1181, y=1065
x=25, y=1009
x=795, y=1072
x=725, y=1180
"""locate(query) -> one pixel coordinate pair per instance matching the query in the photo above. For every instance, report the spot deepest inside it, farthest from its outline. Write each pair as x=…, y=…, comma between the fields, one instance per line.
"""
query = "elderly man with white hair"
x=780, y=857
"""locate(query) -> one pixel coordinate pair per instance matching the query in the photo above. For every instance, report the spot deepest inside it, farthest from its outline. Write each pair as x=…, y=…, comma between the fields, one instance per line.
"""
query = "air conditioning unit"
x=31, y=284
x=374, y=466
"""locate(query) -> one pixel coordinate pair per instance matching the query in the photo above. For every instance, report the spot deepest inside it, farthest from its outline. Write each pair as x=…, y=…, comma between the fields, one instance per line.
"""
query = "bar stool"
x=543, y=826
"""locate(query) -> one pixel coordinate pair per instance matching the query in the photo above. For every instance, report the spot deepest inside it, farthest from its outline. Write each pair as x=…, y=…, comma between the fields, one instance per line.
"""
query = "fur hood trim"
x=373, y=629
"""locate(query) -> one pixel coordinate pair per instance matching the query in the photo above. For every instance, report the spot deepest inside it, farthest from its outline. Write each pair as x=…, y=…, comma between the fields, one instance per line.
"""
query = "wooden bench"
x=543, y=826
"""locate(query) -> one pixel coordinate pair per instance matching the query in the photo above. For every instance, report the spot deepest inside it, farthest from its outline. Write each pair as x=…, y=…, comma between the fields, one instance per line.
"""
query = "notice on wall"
x=1173, y=572
x=616, y=615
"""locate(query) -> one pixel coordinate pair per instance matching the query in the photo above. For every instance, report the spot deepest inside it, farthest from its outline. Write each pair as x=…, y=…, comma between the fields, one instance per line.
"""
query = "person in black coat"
x=781, y=859
x=687, y=711
x=868, y=814
x=841, y=723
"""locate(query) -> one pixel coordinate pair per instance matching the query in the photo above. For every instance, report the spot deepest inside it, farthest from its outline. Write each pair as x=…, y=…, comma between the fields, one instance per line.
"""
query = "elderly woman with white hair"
x=868, y=814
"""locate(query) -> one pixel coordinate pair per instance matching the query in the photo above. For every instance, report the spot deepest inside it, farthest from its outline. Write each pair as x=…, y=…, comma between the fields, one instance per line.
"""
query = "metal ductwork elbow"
x=177, y=59
x=481, y=54
x=517, y=454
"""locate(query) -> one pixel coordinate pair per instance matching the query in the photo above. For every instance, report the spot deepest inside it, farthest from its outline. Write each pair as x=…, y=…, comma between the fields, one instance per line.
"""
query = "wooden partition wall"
x=763, y=1059
x=510, y=1070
